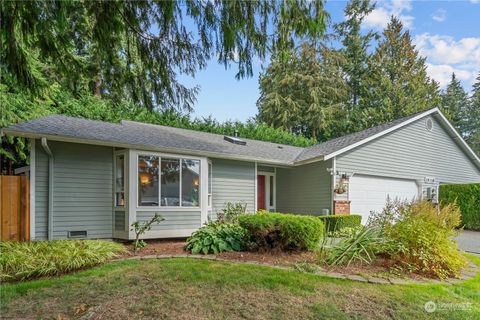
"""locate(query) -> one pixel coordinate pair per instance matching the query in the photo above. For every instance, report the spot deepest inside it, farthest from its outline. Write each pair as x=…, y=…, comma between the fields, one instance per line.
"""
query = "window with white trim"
x=168, y=182
x=120, y=180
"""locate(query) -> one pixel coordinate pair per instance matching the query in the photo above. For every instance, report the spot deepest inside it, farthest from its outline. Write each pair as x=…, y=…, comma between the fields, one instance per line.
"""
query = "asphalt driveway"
x=469, y=241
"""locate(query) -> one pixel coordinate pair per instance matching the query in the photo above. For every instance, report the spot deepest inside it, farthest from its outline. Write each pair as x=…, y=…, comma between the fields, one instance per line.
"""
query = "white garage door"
x=369, y=193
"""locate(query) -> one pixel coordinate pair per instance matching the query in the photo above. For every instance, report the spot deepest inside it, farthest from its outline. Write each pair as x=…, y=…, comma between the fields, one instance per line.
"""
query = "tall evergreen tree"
x=455, y=105
x=135, y=50
x=306, y=94
x=355, y=48
x=472, y=130
x=397, y=82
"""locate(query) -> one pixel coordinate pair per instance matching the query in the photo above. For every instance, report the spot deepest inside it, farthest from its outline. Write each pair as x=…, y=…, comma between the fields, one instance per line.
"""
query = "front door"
x=266, y=191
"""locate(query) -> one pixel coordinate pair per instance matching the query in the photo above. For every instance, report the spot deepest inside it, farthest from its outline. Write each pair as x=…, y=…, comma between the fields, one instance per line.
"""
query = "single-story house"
x=92, y=179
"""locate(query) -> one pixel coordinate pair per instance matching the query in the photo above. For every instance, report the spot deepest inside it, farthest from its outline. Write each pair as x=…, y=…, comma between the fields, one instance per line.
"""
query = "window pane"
x=170, y=188
x=120, y=181
x=147, y=181
x=190, y=183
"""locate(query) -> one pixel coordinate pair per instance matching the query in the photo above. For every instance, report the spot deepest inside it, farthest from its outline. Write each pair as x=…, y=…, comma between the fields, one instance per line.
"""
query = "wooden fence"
x=15, y=208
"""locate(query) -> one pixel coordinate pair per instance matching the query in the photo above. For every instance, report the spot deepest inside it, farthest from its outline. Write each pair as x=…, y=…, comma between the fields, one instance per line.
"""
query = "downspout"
x=49, y=153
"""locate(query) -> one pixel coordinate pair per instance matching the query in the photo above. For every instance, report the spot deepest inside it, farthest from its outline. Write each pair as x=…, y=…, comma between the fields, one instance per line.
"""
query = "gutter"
x=49, y=153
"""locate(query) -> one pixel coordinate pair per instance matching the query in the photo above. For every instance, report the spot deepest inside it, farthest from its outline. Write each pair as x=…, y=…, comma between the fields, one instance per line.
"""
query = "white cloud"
x=474, y=1
x=440, y=15
x=446, y=55
x=385, y=9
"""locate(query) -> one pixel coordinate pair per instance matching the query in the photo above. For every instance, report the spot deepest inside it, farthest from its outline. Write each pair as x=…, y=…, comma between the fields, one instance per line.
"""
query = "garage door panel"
x=370, y=193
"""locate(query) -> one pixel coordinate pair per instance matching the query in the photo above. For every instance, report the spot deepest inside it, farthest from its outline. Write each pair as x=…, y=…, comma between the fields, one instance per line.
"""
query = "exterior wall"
x=305, y=189
x=82, y=190
x=232, y=181
x=412, y=152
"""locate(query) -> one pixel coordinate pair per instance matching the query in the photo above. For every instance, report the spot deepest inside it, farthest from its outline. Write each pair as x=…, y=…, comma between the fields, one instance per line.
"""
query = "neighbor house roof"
x=168, y=139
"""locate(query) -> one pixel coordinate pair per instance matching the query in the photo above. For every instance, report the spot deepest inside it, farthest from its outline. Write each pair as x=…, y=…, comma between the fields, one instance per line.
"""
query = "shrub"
x=418, y=236
x=338, y=222
x=467, y=196
x=360, y=246
x=217, y=237
x=231, y=212
x=283, y=231
x=141, y=227
x=25, y=260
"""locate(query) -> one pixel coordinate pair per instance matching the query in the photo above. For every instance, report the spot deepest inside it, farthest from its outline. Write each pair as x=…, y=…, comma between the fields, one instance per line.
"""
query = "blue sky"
x=446, y=32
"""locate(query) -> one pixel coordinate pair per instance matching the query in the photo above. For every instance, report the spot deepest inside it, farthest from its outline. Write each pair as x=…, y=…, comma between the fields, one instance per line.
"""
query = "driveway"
x=469, y=241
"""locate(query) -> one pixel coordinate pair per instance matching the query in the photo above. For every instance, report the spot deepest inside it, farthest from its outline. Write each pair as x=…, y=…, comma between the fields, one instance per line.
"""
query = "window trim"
x=160, y=207
x=209, y=184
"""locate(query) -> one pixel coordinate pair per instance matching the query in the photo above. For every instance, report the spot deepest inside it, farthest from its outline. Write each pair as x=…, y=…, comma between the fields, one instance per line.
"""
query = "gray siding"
x=120, y=221
x=412, y=152
x=305, y=189
x=232, y=181
x=174, y=220
x=82, y=190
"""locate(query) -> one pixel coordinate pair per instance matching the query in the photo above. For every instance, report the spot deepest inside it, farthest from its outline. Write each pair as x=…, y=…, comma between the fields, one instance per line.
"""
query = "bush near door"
x=337, y=222
x=282, y=231
x=467, y=196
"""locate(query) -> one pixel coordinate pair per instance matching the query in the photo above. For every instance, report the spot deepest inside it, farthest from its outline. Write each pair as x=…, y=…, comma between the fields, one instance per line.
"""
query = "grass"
x=201, y=289
x=25, y=260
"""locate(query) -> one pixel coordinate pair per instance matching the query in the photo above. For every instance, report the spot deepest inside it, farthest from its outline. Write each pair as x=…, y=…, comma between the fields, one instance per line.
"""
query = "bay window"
x=168, y=181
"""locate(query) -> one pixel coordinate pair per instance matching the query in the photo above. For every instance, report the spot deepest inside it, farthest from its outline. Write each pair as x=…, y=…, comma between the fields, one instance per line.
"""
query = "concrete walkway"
x=469, y=241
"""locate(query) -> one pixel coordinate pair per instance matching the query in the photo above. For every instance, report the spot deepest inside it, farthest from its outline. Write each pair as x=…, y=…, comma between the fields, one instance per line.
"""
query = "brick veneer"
x=341, y=207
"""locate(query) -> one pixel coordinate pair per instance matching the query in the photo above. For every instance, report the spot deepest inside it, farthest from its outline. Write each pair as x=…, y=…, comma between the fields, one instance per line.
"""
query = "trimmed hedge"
x=467, y=196
x=282, y=231
x=340, y=221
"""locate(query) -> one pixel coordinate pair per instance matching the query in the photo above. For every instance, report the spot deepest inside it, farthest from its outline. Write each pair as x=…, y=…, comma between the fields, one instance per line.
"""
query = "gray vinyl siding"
x=305, y=189
x=232, y=181
x=412, y=152
x=174, y=220
x=82, y=190
x=120, y=221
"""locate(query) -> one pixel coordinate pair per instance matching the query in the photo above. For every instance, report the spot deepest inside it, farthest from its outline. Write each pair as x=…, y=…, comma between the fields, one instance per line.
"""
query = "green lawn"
x=201, y=289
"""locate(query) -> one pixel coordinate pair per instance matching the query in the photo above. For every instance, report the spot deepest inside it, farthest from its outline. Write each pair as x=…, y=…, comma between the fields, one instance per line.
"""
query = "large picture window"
x=170, y=189
x=148, y=180
x=190, y=183
x=168, y=182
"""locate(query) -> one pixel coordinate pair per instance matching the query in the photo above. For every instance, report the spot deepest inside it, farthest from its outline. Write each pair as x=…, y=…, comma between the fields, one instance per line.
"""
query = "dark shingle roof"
x=144, y=136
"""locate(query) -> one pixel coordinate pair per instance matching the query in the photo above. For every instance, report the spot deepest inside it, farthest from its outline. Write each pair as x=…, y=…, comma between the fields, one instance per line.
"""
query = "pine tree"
x=472, y=129
x=355, y=48
x=306, y=94
x=397, y=82
x=455, y=105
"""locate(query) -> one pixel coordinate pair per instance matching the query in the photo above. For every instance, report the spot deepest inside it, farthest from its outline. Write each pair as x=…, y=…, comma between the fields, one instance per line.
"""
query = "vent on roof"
x=77, y=234
x=234, y=140
x=429, y=124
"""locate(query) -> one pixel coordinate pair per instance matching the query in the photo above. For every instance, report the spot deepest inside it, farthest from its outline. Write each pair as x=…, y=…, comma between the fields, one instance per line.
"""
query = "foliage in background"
x=282, y=231
x=217, y=237
x=467, y=197
x=134, y=51
x=231, y=212
x=338, y=222
x=360, y=246
x=418, y=236
x=140, y=227
x=26, y=260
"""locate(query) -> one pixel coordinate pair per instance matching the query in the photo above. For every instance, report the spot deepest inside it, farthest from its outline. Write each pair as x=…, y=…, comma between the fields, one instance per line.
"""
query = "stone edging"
x=468, y=273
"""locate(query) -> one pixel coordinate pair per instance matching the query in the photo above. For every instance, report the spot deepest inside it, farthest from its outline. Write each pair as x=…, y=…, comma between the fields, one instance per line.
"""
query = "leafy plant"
x=26, y=260
x=338, y=222
x=231, y=212
x=467, y=196
x=418, y=235
x=360, y=246
x=282, y=231
x=140, y=227
x=217, y=237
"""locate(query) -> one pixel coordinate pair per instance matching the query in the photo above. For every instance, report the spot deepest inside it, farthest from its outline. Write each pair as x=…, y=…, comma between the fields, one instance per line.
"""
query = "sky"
x=447, y=33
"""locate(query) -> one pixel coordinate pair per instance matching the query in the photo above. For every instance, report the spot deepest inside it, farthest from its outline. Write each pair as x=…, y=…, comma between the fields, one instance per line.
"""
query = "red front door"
x=261, y=192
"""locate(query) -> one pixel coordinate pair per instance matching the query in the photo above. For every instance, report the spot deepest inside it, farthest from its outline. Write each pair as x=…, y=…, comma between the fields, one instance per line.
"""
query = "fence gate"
x=15, y=208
